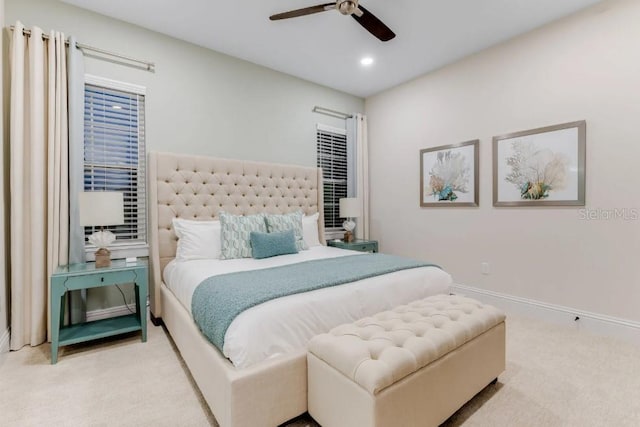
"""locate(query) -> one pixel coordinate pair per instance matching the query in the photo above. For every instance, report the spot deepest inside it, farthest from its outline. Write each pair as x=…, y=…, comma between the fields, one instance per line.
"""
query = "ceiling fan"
x=345, y=7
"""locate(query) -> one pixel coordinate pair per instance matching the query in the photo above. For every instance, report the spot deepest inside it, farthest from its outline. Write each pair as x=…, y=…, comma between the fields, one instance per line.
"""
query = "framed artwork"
x=449, y=175
x=540, y=167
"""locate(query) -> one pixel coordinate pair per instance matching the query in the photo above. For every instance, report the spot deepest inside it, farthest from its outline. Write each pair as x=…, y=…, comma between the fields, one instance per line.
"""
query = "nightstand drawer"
x=96, y=280
x=357, y=245
x=364, y=247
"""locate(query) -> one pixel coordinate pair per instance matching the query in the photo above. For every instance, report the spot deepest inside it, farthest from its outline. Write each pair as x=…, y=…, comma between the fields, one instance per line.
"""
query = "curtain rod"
x=147, y=65
x=332, y=113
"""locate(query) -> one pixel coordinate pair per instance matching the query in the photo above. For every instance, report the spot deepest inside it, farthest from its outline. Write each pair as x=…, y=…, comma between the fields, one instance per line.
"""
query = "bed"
x=262, y=391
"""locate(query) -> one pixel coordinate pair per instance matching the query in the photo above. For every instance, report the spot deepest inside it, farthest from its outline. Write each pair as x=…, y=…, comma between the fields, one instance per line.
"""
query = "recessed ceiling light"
x=366, y=61
x=116, y=107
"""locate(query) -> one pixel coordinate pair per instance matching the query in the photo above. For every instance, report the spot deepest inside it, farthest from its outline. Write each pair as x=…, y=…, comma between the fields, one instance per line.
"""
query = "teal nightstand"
x=356, y=245
x=86, y=276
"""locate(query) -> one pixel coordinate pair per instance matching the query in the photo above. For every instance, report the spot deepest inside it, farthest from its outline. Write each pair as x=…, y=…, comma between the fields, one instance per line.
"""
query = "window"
x=332, y=158
x=114, y=154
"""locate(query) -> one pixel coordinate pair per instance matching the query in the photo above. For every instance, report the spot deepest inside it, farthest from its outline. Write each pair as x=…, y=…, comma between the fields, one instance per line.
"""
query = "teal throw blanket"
x=219, y=299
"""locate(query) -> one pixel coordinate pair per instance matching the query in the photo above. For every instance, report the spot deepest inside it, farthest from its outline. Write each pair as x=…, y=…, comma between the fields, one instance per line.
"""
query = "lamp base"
x=103, y=258
x=348, y=237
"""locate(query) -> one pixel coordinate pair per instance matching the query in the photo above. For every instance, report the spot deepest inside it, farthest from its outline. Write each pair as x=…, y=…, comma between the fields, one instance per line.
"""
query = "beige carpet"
x=116, y=382
x=555, y=377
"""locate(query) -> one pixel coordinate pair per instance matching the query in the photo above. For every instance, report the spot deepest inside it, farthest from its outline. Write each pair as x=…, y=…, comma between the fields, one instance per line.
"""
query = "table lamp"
x=349, y=209
x=98, y=209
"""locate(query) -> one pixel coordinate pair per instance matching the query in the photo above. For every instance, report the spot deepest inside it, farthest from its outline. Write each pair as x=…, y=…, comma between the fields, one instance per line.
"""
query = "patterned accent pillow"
x=266, y=245
x=290, y=221
x=235, y=233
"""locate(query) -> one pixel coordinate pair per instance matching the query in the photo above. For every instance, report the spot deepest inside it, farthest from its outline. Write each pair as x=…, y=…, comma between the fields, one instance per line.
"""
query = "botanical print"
x=536, y=171
x=539, y=167
x=450, y=174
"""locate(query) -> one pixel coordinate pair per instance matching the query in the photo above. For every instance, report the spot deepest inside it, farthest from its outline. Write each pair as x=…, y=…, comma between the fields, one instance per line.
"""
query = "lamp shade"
x=99, y=208
x=350, y=207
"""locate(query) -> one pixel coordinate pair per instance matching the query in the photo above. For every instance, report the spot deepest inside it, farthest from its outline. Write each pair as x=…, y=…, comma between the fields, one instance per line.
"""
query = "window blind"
x=114, y=155
x=332, y=158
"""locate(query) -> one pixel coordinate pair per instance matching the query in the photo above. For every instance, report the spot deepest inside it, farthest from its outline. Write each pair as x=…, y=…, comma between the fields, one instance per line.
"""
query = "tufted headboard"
x=198, y=188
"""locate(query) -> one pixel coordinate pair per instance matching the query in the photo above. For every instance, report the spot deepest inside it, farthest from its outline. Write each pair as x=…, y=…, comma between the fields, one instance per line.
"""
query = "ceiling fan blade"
x=304, y=11
x=373, y=25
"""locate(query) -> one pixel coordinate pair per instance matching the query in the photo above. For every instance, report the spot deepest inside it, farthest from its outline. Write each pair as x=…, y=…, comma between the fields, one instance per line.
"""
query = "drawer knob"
x=102, y=279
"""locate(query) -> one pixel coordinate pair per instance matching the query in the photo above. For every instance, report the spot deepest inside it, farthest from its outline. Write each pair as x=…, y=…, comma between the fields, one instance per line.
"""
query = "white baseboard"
x=105, y=313
x=4, y=344
x=627, y=330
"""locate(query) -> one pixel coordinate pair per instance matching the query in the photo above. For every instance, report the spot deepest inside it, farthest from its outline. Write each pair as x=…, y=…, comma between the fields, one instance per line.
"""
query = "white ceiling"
x=326, y=48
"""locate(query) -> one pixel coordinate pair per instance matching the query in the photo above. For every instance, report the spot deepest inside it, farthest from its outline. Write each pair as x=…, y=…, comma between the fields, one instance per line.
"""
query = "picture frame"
x=540, y=167
x=449, y=175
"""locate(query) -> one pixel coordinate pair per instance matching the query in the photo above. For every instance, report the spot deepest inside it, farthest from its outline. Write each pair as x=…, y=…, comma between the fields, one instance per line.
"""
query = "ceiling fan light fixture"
x=347, y=7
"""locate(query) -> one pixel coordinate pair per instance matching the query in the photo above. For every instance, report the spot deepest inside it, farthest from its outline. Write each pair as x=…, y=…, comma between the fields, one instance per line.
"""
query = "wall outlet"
x=485, y=268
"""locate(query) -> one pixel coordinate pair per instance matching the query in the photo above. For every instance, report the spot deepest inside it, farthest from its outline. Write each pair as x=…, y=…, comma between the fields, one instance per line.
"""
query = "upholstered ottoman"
x=412, y=366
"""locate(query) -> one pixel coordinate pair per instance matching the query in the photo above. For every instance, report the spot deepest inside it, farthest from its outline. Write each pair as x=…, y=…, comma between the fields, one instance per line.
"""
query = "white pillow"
x=197, y=239
x=310, y=230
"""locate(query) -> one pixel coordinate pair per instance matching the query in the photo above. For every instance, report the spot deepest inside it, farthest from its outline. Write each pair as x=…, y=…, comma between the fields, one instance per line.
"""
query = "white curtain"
x=39, y=214
x=358, y=182
x=76, y=171
x=76, y=149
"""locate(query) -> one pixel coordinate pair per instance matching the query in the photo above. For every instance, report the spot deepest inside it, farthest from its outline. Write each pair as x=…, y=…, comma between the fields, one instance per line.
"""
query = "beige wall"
x=585, y=67
x=198, y=101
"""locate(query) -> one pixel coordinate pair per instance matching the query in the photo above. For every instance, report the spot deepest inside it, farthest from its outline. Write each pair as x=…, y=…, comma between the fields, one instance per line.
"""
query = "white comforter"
x=286, y=324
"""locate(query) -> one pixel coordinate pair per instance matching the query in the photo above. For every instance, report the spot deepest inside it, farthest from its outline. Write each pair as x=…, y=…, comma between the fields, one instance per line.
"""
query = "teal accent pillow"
x=290, y=221
x=235, y=232
x=265, y=245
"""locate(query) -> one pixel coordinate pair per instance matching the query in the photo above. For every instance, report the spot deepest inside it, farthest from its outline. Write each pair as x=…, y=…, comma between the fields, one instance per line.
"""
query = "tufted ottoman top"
x=378, y=351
